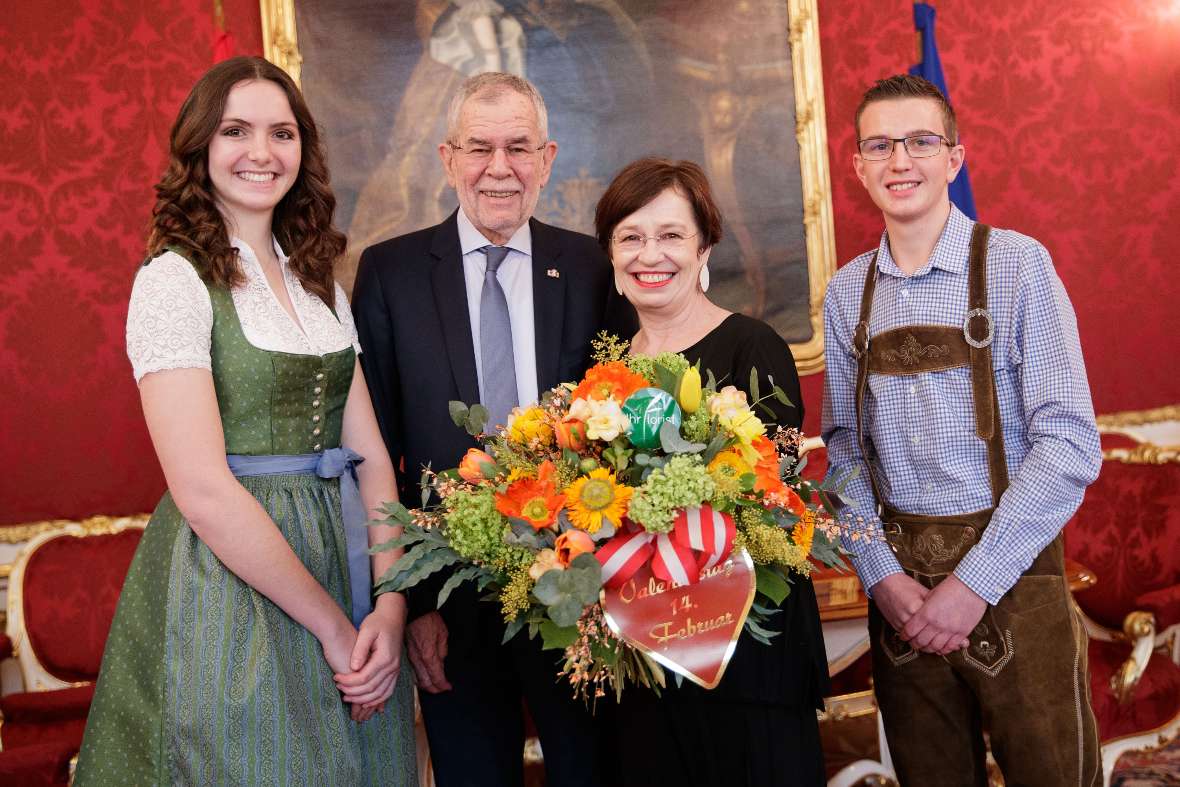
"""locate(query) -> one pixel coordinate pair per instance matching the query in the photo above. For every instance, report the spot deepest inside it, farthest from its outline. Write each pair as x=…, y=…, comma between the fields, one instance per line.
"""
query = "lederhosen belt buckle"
x=860, y=339
x=989, y=325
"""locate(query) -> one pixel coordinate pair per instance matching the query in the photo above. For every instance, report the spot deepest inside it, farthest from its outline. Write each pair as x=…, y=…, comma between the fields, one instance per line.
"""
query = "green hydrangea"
x=682, y=483
x=645, y=365
x=475, y=528
x=696, y=426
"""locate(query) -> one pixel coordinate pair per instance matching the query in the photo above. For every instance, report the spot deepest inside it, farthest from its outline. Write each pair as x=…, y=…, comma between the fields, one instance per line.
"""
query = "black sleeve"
x=766, y=351
x=379, y=359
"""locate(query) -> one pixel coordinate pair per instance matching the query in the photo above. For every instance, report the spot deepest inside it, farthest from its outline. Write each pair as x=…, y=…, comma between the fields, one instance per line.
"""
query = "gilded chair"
x=62, y=594
x=1127, y=532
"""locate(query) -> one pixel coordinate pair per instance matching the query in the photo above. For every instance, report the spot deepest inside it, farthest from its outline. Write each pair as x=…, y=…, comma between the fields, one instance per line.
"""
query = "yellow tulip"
x=688, y=392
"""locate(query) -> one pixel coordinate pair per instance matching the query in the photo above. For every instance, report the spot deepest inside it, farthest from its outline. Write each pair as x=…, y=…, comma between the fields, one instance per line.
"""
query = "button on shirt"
x=516, y=278
x=920, y=429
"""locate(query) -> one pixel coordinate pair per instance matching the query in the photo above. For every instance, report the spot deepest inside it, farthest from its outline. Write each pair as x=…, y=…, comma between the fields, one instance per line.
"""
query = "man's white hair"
x=489, y=87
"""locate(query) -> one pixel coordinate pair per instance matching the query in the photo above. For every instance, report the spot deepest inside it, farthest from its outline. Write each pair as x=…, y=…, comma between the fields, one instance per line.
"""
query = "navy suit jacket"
x=410, y=305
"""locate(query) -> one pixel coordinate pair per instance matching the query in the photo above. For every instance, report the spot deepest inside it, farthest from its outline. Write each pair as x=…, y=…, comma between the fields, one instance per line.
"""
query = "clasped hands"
x=933, y=621
x=366, y=662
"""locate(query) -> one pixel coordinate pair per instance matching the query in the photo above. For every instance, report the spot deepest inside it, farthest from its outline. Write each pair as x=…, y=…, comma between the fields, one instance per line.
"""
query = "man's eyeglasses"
x=917, y=146
x=517, y=153
x=632, y=242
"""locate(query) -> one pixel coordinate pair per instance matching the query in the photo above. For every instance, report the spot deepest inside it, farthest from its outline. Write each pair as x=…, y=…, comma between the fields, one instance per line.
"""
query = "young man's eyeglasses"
x=917, y=146
x=517, y=153
x=631, y=242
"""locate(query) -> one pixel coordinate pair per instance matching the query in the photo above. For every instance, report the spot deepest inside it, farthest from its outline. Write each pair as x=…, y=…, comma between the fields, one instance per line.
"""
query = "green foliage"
x=557, y=637
x=772, y=584
x=673, y=443
x=471, y=418
x=567, y=593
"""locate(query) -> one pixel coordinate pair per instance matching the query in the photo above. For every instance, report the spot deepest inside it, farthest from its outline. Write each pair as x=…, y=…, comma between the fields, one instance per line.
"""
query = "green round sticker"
x=647, y=409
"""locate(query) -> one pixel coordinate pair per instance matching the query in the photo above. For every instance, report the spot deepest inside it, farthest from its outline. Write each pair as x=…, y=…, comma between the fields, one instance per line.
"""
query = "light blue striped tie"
x=495, y=342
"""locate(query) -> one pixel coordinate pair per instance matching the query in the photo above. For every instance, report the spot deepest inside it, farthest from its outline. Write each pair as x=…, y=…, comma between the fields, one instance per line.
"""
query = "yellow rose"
x=529, y=425
x=727, y=403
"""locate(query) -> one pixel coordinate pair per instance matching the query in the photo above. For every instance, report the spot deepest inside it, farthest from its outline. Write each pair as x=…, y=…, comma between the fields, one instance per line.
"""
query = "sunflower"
x=535, y=500
x=606, y=380
x=595, y=497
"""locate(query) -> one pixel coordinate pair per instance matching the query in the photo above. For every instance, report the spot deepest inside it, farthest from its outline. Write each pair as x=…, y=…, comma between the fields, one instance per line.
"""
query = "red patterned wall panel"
x=90, y=90
x=1071, y=116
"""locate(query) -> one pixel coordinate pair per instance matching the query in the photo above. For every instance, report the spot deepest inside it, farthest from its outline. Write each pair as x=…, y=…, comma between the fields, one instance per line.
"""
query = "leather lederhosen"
x=978, y=687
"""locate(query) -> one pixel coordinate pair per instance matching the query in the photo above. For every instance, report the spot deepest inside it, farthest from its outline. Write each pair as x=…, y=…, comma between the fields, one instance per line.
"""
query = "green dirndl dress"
x=204, y=680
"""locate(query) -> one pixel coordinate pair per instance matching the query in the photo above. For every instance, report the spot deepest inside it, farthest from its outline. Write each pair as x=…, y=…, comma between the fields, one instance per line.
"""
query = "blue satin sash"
x=334, y=463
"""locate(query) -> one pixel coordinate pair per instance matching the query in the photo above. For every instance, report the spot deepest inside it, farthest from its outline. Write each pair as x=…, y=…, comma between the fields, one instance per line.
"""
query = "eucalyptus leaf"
x=548, y=589
x=781, y=395
x=754, y=385
x=710, y=380
x=477, y=417
x=458, y=411
x=673, y=443
x=605, y=531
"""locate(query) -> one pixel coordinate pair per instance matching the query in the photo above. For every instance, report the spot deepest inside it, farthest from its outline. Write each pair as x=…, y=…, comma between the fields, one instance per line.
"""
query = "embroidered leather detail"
x=931, y=549
x=912, y=352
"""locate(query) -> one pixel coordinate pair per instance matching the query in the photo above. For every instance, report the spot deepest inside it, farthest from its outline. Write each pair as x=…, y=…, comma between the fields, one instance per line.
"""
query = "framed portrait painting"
x=735, y=87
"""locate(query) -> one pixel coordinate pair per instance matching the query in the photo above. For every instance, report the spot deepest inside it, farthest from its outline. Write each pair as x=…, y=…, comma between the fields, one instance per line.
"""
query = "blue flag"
x=930, y=68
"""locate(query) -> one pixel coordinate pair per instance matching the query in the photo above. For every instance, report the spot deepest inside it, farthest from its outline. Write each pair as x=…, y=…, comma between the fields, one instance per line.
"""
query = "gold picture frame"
x=721, y=110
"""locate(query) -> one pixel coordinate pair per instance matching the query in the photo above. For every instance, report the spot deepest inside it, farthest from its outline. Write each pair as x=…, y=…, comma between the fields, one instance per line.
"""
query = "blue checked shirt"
x=920, y=429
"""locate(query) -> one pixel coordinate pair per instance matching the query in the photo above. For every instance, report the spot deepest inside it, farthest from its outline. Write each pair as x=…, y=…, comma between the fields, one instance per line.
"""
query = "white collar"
x=471, y=239
x=246, y=252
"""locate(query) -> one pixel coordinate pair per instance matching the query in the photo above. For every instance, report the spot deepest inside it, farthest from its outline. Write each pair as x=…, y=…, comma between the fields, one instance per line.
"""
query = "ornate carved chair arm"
x=1139, y=627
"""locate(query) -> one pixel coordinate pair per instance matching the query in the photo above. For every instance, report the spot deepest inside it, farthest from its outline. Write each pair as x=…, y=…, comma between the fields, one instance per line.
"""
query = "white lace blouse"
x=170, y=317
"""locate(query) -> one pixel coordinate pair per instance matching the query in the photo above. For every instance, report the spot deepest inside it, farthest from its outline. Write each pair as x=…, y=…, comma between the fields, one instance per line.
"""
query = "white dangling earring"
x=618, y=287
x=703, y=277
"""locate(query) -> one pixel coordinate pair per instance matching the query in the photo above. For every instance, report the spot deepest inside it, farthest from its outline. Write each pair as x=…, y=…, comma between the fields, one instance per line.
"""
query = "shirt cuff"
x=988, y=577
x=873, y=562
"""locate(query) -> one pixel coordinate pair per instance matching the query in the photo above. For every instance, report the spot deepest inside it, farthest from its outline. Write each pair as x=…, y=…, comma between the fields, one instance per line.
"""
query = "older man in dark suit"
x=493, y=306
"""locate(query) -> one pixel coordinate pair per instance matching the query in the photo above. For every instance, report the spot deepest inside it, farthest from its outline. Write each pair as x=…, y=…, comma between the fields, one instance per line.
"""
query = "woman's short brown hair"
x=642, y=181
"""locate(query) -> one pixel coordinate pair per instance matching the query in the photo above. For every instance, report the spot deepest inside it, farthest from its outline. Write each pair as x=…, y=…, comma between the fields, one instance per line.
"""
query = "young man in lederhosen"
x=955, y=386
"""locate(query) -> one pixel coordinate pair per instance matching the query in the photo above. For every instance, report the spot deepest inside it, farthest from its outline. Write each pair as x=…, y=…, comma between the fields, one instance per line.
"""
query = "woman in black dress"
x=658, y=223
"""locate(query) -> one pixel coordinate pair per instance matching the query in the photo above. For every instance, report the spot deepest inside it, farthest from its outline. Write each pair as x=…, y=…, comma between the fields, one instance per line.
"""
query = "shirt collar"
x=246, y=252
x=471, y=239
x=950, y=253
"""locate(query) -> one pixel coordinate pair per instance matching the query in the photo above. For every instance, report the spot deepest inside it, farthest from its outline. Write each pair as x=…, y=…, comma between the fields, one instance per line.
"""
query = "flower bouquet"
x=639, y=519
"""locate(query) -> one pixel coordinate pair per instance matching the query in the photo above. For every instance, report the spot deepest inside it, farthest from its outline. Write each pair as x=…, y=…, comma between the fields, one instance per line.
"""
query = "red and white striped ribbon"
x=701, y=538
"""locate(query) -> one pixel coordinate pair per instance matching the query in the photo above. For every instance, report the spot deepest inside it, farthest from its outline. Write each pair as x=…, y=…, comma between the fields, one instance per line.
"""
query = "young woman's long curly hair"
x=186, y=217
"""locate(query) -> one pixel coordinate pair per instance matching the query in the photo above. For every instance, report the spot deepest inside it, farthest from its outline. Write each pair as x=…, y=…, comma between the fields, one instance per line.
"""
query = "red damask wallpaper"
x=1071, y=117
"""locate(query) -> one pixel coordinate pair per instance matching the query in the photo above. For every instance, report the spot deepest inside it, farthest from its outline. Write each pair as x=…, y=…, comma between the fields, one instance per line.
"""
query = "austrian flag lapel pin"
x=553, y=273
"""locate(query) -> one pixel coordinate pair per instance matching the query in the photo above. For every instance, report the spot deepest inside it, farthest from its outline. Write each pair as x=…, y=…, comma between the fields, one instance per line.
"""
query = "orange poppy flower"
x=535, y=500
x=605, y=380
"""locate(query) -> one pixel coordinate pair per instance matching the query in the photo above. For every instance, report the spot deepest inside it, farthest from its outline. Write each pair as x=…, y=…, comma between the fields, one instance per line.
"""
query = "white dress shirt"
x=516, y=278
